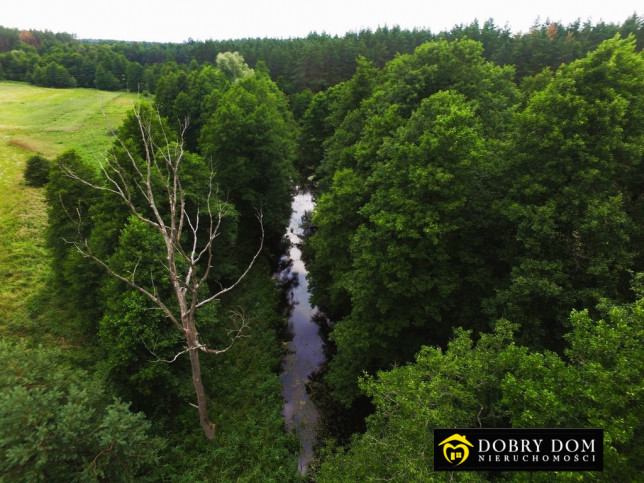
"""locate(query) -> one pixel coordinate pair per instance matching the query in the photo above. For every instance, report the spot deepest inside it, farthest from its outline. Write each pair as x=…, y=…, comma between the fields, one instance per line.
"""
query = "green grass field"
x=36, y=120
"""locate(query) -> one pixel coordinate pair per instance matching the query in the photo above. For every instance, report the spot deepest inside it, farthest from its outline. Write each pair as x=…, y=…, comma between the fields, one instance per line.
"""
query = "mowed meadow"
x=35, y=120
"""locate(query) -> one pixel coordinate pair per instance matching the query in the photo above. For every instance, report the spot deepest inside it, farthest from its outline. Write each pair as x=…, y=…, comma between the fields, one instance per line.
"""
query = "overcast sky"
x=179, y=20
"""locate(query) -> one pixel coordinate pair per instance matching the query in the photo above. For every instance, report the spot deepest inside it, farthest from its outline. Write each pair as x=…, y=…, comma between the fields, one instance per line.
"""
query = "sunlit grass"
x=48, y=122
x=24, y=263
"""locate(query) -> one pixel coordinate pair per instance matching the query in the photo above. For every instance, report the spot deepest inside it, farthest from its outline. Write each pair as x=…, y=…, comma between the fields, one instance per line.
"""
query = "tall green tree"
x=250, y=139
x=188, y=100
x=68, y=213
x=574, y=192
x=315, y=128
x=135, y=81
x=53, y=75
x=407, y=184
x=37, y=171
x=136, y=341
x=104, y=78
x=420, y=263
x=232, y=64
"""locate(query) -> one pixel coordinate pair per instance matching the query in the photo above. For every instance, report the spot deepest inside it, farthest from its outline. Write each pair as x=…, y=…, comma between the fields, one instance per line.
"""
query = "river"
x=306, y=348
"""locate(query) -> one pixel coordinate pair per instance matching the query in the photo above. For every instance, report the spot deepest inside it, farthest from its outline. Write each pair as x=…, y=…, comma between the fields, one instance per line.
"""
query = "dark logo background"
x=518, y=449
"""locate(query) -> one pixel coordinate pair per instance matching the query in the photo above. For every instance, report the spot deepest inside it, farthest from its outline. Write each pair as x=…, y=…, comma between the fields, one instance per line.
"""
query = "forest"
x=475, y=252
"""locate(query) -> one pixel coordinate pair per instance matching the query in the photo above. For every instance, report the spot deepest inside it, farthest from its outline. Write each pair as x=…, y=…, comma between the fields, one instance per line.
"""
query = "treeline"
x=463, y=184
x=218, y=203
x=316, y=62
x=451, y=196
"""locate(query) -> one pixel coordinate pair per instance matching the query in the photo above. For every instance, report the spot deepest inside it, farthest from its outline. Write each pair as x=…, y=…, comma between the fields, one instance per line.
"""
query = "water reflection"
x=305, y=349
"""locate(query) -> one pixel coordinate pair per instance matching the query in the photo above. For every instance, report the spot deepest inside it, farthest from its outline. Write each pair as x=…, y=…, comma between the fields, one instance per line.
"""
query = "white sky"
x=177, y=21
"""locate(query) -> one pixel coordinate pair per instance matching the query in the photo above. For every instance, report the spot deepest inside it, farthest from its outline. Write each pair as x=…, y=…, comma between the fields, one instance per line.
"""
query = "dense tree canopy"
x=495, y=382
x=140, y=353
x=462, y=179
x=447, y=198
x=59, y=424
x=574, y=182
x=404, y=232
x=316, y=62
x=250, y=140
x=75, y=282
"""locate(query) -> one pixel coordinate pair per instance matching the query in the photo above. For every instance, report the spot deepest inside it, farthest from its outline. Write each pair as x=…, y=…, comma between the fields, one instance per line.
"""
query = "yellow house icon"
x=456, y=453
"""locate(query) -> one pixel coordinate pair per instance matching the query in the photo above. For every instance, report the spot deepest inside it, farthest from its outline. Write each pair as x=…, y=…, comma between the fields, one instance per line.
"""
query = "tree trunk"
x=193, y=344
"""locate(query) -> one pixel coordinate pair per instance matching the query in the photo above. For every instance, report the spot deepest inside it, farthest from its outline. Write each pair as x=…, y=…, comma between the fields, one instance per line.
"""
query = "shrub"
x=37, y=171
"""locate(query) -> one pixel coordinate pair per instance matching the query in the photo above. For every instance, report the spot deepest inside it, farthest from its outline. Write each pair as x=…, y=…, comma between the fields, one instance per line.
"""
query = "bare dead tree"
x=188, y=244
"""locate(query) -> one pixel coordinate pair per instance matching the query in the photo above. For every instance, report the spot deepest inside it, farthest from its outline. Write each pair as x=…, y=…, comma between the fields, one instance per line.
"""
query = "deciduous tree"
x=250, y=138
x=494, y=382
x=574, y=192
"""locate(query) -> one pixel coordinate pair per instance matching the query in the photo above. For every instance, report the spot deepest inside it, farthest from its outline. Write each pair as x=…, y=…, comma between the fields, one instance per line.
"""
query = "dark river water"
x=305, y=349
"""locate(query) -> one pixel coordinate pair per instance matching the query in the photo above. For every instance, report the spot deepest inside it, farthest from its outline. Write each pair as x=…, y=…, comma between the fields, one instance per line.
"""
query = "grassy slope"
x=49, y=122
